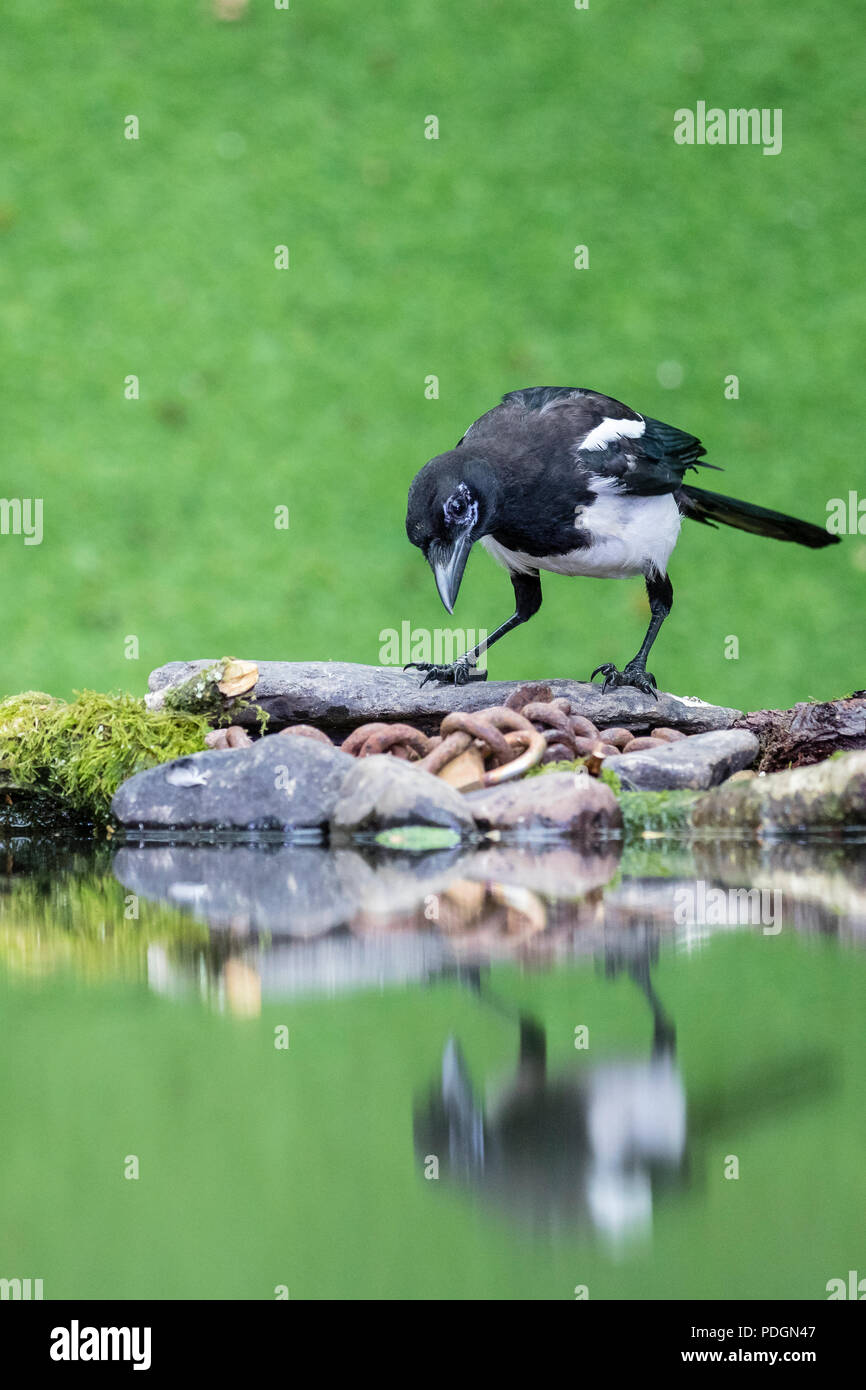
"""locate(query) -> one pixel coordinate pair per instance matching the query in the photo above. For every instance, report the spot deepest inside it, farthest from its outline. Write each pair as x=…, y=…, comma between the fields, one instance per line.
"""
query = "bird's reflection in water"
x=592, y=1146
x=584, y=1146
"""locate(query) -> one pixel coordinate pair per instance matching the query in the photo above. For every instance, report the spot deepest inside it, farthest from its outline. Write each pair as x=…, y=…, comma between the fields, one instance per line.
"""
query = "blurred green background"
x=410, y=257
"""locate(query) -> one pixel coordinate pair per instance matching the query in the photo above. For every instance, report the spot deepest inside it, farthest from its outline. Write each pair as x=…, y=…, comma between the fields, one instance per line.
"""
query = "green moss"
x=201, y=695
x=81, y=752
x=418, y=837
x=606, y=775
x=662, y=813
x=539, y=771
x=610, y=779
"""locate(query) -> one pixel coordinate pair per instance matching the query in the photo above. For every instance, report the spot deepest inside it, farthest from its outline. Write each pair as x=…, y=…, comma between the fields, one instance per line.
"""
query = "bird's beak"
x=448, y=562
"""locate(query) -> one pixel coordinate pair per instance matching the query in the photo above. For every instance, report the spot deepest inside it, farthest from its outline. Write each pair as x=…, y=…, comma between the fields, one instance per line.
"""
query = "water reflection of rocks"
x=590, y=1146
x=306, y=919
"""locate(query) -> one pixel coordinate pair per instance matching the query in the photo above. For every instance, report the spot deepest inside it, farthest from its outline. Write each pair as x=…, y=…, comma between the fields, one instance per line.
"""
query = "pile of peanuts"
x=505, y=738
x=232, y=737
x=531, y=727
x=570, y=736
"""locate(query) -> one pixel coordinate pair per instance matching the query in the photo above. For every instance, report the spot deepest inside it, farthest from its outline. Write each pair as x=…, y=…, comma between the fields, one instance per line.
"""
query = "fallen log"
x=808, y=732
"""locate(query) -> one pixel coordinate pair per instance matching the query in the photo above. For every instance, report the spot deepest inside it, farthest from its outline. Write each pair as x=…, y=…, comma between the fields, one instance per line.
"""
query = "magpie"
x=571, y=481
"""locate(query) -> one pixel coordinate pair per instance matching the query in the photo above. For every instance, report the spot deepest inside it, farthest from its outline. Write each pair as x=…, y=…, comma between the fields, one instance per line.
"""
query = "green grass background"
x=412, y=257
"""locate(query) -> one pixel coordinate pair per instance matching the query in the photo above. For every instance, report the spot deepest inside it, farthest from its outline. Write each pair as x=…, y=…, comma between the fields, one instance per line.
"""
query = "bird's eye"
x=458, y=505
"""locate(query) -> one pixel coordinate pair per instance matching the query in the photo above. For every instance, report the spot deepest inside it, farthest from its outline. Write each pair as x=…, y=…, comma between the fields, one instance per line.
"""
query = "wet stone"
x=564, y=803
x=382, y=792
x=821, y=796
x=699, y=762
x=277, y=784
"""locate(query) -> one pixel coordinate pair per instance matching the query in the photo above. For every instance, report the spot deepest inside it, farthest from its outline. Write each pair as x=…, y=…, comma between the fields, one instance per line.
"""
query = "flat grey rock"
x=828, y=795
x=564, y=803
x=382, y=792
x=338, y=696
x=283, y=784
x=699, y=762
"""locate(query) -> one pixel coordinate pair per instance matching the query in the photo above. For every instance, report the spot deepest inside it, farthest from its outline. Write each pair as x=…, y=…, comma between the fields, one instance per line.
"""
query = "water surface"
x=505, y=1073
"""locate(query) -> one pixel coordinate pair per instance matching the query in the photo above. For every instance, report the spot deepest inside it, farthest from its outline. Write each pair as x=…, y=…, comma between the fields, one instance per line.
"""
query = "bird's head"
x=452, y=503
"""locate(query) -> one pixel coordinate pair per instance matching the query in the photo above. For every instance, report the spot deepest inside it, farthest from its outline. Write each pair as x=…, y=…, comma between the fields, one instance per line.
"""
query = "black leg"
x=527, y=598
x=661, y=598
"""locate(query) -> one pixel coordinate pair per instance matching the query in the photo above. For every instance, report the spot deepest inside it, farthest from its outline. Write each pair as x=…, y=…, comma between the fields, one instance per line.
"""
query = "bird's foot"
x=459, y=672
x=633, y=674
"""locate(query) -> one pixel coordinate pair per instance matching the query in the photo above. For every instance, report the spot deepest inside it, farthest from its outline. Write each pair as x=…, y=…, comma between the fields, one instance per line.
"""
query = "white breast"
x=629, y=535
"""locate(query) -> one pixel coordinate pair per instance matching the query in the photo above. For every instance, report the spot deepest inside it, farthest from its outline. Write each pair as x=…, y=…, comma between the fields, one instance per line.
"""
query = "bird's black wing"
x=584, y=410
x=662, y=455
x=610, y=439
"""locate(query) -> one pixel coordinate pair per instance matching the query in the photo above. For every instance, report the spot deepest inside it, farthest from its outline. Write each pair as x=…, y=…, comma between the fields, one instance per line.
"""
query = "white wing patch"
x=628, y=535
x=609, y=430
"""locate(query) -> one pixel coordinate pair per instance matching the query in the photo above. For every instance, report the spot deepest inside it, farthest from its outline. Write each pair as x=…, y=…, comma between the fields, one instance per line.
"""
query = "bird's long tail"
x=711, y=508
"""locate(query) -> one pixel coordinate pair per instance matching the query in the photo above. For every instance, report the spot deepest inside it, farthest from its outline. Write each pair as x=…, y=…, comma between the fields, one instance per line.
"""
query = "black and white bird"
x=568, y=480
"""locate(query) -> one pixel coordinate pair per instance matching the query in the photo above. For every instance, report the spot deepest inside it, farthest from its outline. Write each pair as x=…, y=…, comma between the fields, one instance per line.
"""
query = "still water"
x=255, y=1070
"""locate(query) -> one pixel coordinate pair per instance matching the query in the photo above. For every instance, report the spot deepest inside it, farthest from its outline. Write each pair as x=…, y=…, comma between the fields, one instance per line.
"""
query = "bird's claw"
x=632, y=675
x=460, y=672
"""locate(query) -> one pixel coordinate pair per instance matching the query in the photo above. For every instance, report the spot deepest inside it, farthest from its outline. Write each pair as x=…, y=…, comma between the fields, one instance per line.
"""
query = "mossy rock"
x=820, y=796
x=81, y=752
x=643, y=812
x=201, y=694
